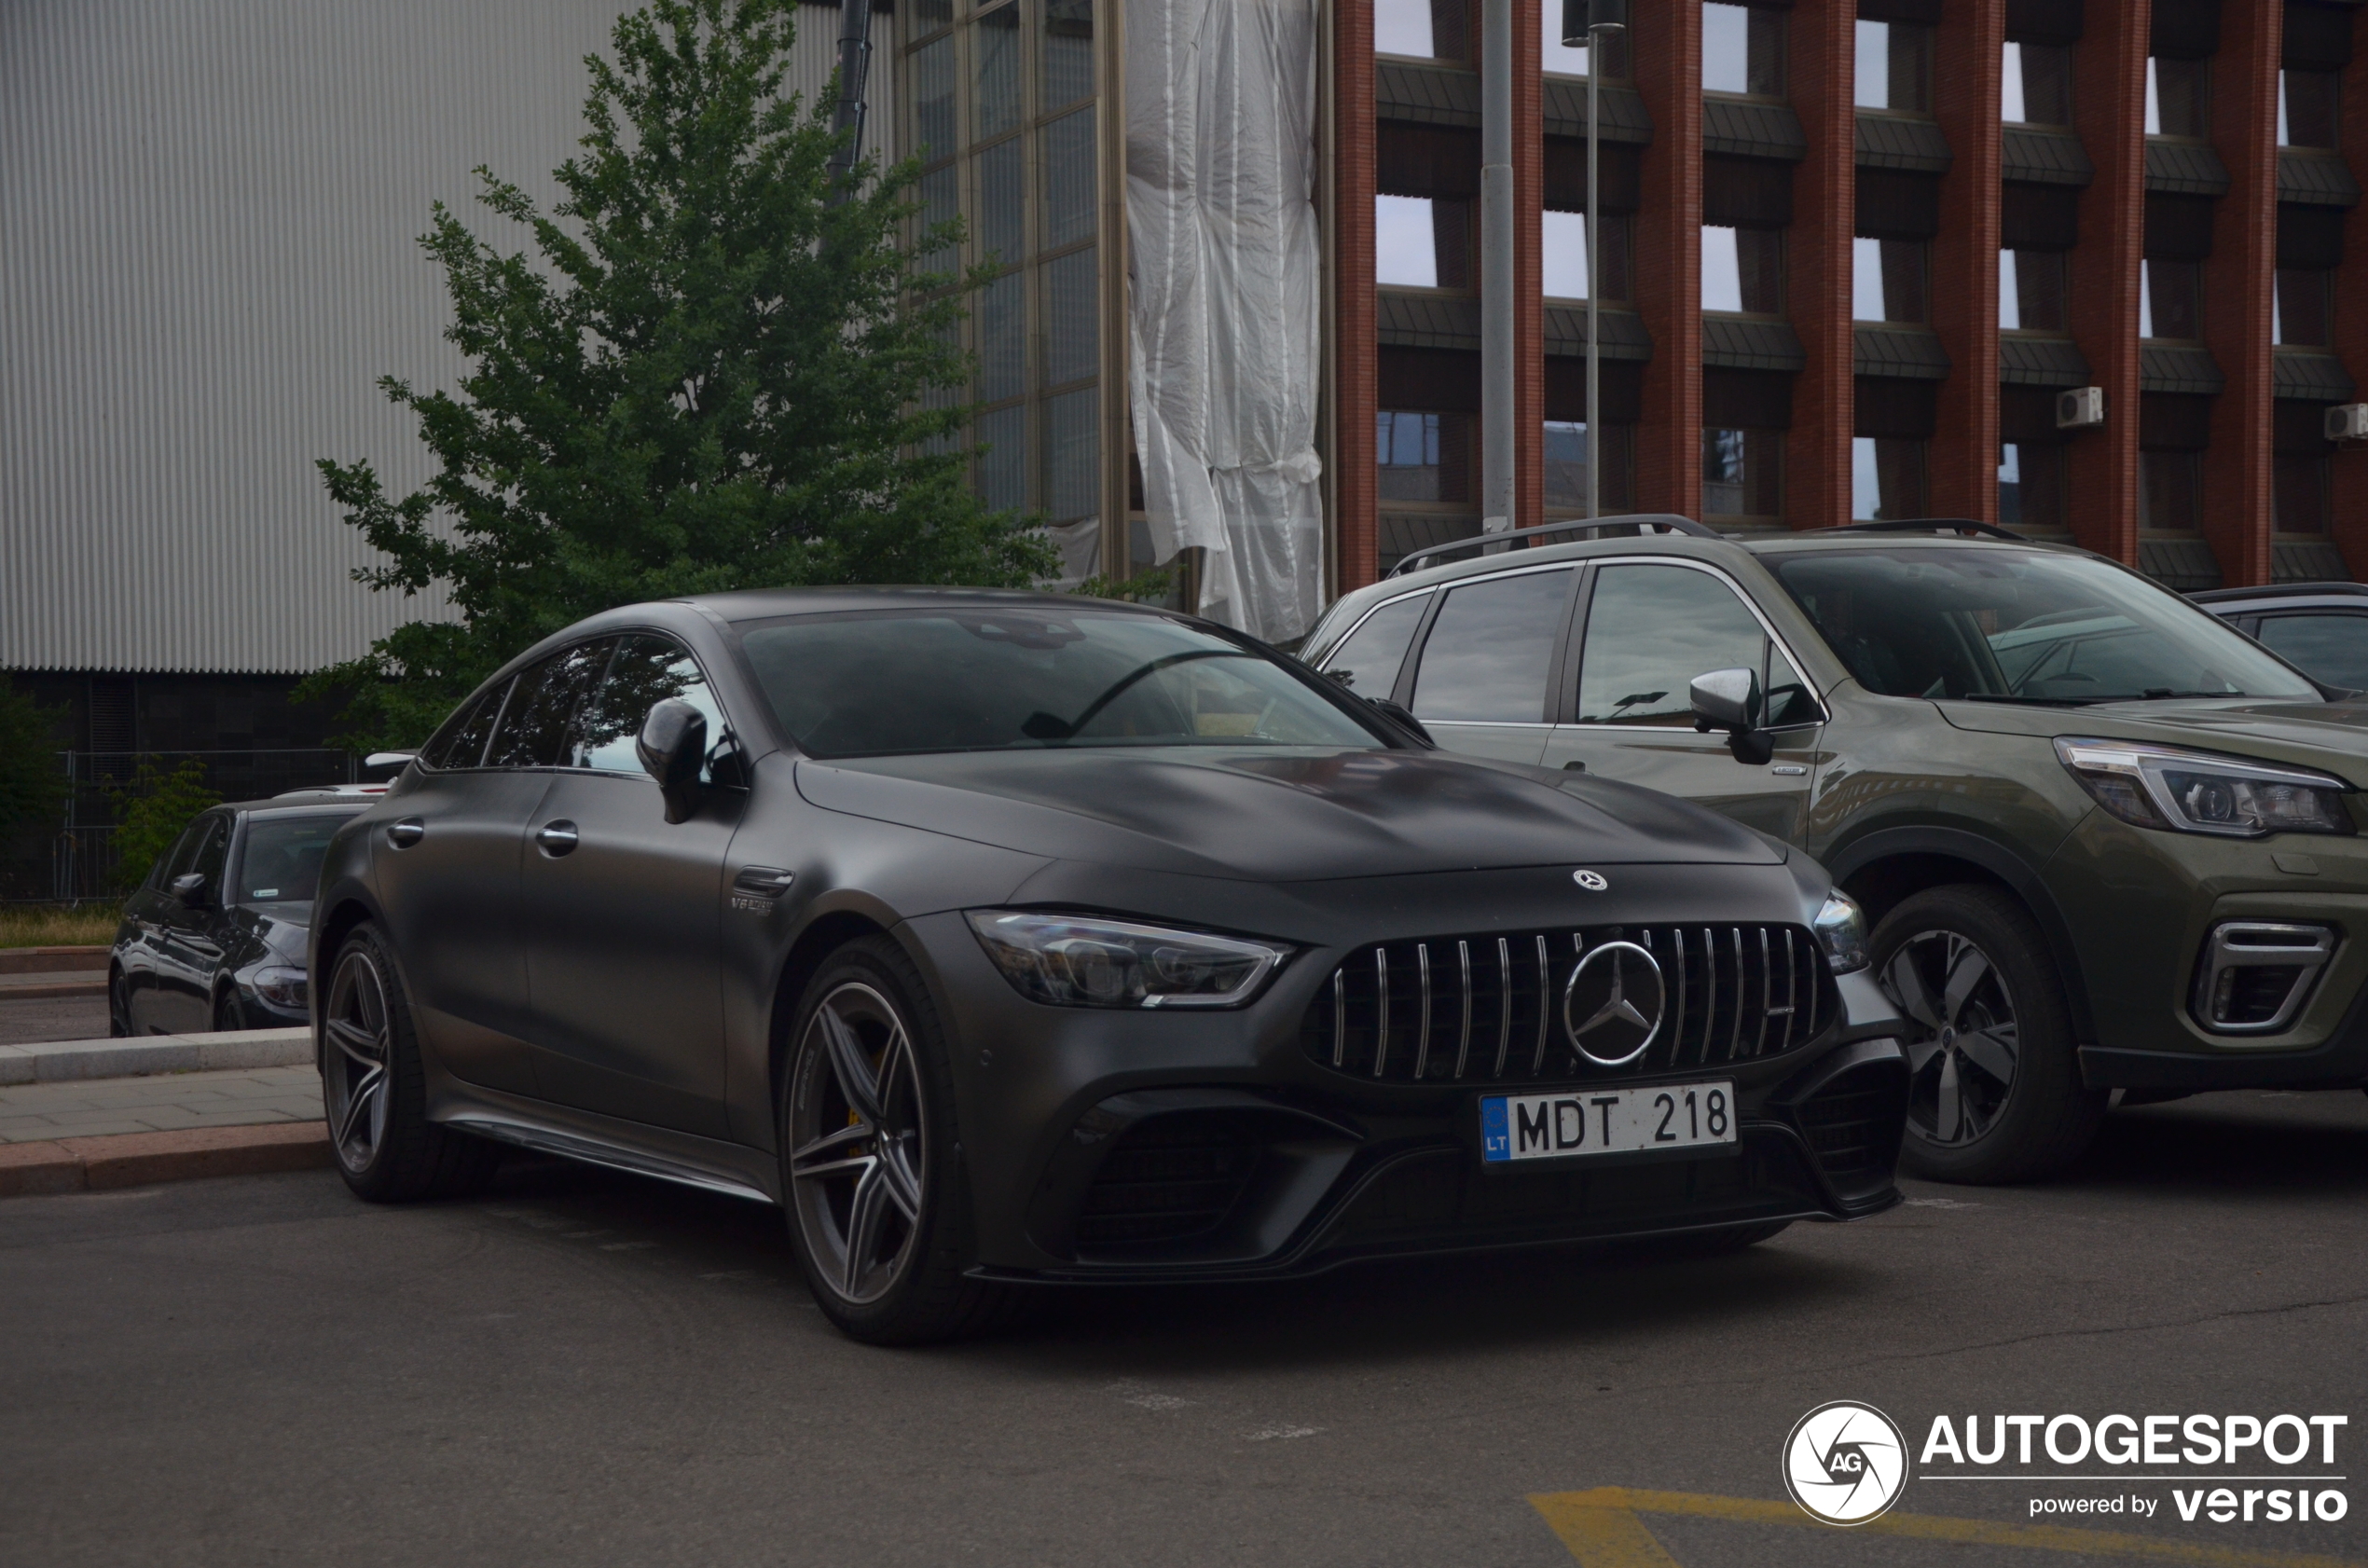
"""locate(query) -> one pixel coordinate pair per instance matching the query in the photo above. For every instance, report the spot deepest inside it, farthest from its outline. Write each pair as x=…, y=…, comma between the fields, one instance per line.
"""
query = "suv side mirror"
x=672, y=745
x=189, y=888
x=1730, y=700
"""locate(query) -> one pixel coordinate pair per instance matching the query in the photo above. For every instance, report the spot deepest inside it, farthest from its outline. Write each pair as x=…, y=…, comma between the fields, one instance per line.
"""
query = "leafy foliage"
x=710, y=374
x=33, y=785
x=151, y=811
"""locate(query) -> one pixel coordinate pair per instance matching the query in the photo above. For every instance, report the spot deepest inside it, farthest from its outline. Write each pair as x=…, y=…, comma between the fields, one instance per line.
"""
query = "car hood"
x=1271, y=815
x=2331, y=736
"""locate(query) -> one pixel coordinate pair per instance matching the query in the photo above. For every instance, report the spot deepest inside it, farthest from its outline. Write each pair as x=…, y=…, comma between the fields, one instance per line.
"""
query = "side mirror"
x=1730, y=700
x=189, y=888
x=672, y=745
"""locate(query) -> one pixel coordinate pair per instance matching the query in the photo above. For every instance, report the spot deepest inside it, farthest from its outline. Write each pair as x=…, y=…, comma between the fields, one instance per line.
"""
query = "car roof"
x=2279, y=593
x=344, y=805
x=760, y=604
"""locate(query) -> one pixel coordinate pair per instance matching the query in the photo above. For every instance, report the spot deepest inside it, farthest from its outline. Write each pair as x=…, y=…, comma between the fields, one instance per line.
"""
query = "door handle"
x=406, y=834
x=555, y=838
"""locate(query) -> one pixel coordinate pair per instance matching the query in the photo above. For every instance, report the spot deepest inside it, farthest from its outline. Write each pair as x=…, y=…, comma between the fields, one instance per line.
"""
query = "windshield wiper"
x=2017, y=696
x=2156, y=694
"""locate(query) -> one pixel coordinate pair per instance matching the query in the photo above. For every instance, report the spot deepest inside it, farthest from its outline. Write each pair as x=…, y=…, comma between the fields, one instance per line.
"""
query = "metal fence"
x=77, y=860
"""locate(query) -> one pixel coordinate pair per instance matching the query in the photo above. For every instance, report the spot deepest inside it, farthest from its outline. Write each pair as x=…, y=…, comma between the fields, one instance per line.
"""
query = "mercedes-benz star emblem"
x=1613, y=1004
x=1591, y=880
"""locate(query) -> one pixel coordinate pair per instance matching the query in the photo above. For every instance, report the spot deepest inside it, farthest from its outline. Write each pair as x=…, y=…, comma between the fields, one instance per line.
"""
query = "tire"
x=229, y=1015
x=118, y=1008
x=1994, y=1087
x=374, y=1091
x=878, y=1206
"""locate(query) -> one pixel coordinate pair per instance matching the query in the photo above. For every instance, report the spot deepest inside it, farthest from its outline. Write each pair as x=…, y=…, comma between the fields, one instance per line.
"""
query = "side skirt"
x=640, y=1150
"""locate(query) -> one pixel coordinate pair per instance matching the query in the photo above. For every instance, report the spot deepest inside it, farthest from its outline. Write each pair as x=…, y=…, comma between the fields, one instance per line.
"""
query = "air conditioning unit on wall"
x=2348, y=421
x=2081, y=408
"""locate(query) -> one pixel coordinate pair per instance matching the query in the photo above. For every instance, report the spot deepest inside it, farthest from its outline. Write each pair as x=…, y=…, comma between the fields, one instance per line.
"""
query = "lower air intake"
x=1171, y=1179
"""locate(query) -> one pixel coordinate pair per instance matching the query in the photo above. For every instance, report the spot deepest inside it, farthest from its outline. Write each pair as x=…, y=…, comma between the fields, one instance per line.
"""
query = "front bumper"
x=1128, y=1146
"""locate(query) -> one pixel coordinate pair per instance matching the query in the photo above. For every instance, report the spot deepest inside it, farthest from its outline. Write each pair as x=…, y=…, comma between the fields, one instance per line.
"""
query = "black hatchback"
x=215, y=937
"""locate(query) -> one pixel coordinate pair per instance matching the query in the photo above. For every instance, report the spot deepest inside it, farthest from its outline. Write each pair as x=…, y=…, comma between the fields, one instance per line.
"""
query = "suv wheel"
x=1994, y=1089
x=878, y=1209
x=375, y=1092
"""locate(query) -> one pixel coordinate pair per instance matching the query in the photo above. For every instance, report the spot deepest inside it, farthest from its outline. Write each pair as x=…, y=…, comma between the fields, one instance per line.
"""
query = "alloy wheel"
x=359, y=1036
x=859, y=1161
x=1962, y=1056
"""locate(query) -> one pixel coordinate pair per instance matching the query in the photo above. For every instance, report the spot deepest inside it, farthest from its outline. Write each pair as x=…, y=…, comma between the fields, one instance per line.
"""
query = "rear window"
x=899, y=683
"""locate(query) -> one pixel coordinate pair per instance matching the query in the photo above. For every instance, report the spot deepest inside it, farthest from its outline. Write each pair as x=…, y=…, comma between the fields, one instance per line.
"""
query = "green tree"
x=716, y=371
x=32, y=781
x=150, y=812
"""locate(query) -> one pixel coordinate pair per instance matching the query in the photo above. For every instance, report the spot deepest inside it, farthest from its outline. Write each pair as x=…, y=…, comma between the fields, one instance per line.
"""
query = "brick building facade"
x=1852, y=252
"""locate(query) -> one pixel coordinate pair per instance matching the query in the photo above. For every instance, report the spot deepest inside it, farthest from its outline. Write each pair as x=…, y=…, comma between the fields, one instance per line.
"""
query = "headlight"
x=1841, y=930
x=2197, y=793
x=1076, y=960
x=281, y=987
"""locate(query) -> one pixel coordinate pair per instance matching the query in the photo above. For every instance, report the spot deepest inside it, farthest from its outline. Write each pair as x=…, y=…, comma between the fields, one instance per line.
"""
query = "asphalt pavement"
x=586, y=1367
x=29, y=1020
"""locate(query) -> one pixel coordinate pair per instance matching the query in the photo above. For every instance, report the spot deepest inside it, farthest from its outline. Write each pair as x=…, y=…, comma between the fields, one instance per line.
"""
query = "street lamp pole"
x=1597, y=35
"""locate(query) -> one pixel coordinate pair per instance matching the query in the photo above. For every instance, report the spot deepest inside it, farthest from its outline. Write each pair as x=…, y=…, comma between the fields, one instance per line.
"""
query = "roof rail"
x=1935, y=525
x=1640, y=521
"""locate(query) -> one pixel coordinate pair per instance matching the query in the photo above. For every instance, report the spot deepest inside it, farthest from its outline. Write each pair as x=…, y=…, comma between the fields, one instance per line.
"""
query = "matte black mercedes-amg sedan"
x=1008, y=937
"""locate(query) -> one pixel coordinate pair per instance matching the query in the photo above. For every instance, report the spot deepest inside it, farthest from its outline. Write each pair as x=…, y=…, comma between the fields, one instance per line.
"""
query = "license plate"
x=1580, y=1122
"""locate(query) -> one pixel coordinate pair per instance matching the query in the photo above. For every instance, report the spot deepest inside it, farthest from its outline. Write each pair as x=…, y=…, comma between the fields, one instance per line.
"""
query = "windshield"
x=884, y=683
x=2013, y=625
x=282, y=862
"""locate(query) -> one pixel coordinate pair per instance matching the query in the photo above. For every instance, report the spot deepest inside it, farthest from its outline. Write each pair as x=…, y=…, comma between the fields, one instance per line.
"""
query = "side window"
x=175, y=861
x=2331, y=648
x=646, y=671
x=1367, y=660
x=462, y=742
x=1651, y=629
x=1490, y=653
x=212, y=850
x=550, y=699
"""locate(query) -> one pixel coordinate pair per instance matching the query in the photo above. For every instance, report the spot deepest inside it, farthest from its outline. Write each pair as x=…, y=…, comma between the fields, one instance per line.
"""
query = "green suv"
x=2107, y=842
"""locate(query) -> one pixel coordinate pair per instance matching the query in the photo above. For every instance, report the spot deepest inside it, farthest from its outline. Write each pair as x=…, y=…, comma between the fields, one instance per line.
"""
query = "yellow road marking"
x=1601, y=1531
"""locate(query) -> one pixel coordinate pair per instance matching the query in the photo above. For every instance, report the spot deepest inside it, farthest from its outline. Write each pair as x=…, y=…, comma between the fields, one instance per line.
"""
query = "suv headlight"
x=281, y=985
x=1078, y=960
x=1840, y=926
x=2197, y=792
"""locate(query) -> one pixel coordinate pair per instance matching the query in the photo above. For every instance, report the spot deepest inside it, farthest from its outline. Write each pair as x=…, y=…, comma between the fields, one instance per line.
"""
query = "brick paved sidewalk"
x=36, y=1112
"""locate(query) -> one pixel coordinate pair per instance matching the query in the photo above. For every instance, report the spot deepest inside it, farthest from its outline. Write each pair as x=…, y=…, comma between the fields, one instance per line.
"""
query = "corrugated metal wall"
x=208, y=217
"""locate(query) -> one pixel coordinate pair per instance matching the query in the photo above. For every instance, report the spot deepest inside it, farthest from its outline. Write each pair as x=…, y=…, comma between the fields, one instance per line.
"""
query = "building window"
x=2178, y=97
x=1886, y=478
x=2031, y=291
x=1424, y=456
x=1566, y=255
x=1421, y=242
x=1570, y=59
x=2299, y=311
x=2170, y=491
x=2298, y=482
x=1425, y=29
x=2037, y=86
x=1566, y=466
x=1742, y=49
x=1744, y=270
x=2307, y=106
x=2169, y=298
x=2030, y=485
x=1003, y=118
x=1743, y=474
x=1887, y=281
x=1895, y=66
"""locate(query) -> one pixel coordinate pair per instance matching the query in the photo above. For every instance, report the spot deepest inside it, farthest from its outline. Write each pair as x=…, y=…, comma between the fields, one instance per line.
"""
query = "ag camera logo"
x=1845, y=1463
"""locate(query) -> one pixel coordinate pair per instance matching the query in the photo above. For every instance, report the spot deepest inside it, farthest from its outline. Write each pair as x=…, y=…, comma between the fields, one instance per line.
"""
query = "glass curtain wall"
x=1003, y=113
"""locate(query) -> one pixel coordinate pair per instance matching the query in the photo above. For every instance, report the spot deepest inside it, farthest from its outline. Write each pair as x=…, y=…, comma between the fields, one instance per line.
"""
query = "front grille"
x=1172, y=1178
x=1486, y=1008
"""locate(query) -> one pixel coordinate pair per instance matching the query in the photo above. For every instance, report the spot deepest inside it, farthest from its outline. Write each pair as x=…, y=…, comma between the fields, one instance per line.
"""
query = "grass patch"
x=90, y=925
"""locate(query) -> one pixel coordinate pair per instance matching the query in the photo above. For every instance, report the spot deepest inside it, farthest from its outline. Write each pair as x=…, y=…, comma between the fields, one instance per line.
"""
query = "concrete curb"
x=71, y=1061
x=142, y=1158
x=45, y=960
x=51, y=990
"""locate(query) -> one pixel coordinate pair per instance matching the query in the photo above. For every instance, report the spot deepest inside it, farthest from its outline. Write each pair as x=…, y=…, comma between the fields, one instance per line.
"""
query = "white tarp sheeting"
x=1226, y=302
